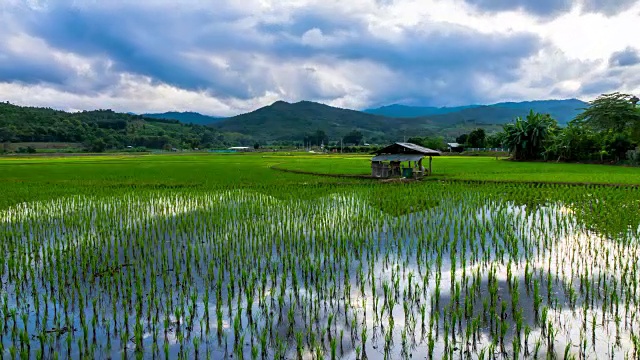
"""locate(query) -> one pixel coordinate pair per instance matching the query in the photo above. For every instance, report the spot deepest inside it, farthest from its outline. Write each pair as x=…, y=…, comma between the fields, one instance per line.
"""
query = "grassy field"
x=28, y=178
x=36, y=178
x=477, y=168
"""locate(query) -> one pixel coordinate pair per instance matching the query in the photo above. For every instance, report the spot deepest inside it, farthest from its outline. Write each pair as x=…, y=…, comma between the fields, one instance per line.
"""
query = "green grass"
x=479, y=168
x=36, y=178
x=32, y=178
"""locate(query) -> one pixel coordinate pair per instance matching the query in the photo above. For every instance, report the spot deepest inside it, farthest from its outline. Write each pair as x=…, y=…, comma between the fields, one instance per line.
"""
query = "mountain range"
x=561, y=110
x=279, y=123
x=284, y=121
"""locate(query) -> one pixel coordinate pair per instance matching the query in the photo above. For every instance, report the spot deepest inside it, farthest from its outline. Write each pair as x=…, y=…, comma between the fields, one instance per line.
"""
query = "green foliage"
x=477, y=138
x=606, y=131
x=430, y=142
x=319, y=137
x=100, y=130
x=573, y=143
x=614, y=112
x=353, y=138
x=526, y=138
x=462, y=139
x=186, y=117
x=495, y=140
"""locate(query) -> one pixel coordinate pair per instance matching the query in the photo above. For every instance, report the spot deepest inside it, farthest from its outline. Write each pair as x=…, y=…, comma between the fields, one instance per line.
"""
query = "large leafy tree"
x=616, y=112
x=431, y=142
x=572, y=143
x=476, y=138
x=526, y=138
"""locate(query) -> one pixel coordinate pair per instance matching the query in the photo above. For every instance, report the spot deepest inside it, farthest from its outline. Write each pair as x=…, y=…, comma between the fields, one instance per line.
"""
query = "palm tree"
x=526, y=138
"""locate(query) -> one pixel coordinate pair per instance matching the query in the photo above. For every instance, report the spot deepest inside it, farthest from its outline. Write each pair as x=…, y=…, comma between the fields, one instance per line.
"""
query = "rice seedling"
x=323, y=271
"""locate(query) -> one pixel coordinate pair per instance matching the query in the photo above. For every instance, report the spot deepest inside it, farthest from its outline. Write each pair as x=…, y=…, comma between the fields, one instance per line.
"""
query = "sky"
x=226, y=57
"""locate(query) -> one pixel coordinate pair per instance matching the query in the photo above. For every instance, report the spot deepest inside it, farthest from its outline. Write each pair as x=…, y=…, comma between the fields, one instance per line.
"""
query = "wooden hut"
x=402, y=160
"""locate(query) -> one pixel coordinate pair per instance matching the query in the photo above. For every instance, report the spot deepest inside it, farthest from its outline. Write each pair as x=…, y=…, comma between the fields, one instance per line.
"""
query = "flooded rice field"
x=436, y=271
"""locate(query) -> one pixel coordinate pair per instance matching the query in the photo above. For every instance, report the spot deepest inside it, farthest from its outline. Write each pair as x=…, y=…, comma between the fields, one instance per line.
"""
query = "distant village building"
x=240, y=148
x=455, y=147
x=388, y=162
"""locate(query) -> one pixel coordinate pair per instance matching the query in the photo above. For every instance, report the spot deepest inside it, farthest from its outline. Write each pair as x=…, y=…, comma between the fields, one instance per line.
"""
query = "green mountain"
x=283, y=121
x=405, y=111
x=186, y=117
x=102, y=129
x=500, y=113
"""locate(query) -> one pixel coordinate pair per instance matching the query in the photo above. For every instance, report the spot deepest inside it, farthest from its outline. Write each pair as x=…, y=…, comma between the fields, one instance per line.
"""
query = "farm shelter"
x=401, y=160
x=455, y=147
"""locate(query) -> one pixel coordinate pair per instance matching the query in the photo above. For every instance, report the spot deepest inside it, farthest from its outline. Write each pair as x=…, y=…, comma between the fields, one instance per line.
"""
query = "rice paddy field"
x=221, y=256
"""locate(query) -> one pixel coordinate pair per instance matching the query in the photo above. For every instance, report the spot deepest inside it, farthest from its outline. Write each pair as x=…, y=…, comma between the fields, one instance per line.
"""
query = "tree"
x=495, y=140
x=256, y=146
x=573, y=143
x=434, y=143
x=617, y=145
x=526, y=138
x=318, y=138
x=476, y=138
x=354, y=137
x=97, y=145
x=615, y=111
x=462, y=139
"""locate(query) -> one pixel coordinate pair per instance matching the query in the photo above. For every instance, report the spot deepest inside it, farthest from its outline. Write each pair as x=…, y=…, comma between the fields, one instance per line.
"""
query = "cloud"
x=547, y=9
x=228, y=55
x=601, y=86
x=608, y=7
x=627, y=57
x=234, y=57
x=542, y=8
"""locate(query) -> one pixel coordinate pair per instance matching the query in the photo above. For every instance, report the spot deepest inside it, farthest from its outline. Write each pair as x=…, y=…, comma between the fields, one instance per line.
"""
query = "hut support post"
x=430, y=160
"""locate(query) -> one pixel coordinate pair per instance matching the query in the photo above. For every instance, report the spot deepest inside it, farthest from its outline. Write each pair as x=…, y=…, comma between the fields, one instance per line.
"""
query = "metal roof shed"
x=388, y=161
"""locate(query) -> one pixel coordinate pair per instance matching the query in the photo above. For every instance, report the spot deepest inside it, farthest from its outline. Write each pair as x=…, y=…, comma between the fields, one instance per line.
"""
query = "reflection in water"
x=244, y=274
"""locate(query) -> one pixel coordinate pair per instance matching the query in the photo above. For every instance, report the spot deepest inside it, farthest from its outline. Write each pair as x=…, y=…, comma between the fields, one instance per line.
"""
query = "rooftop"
x=407, y=148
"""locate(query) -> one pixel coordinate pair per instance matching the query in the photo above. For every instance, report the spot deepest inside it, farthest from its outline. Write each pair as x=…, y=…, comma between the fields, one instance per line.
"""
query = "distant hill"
x=280, y=122
x=283, y=121
x=500, y=113
x=186, y=117
x=405, y=111
x=561, y=110
x=100, y=130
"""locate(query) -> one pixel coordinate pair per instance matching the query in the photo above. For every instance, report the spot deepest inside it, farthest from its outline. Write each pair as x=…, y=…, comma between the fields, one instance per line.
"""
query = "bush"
x=633, y=157
x=27, y=150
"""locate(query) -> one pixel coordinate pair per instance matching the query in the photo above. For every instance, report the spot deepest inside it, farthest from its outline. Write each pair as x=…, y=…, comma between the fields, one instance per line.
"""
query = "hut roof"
x=407, y=148
x=398, y=157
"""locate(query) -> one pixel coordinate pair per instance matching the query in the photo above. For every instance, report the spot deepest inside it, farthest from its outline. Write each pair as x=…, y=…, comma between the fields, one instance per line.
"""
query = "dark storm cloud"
x=31, y=70
x=145, y=43
x=172, y=47
x=627, y=57
x=431, y=61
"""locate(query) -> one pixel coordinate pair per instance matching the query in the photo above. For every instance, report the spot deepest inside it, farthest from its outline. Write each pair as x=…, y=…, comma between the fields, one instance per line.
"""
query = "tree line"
x=101, y=130
x=608, y=130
